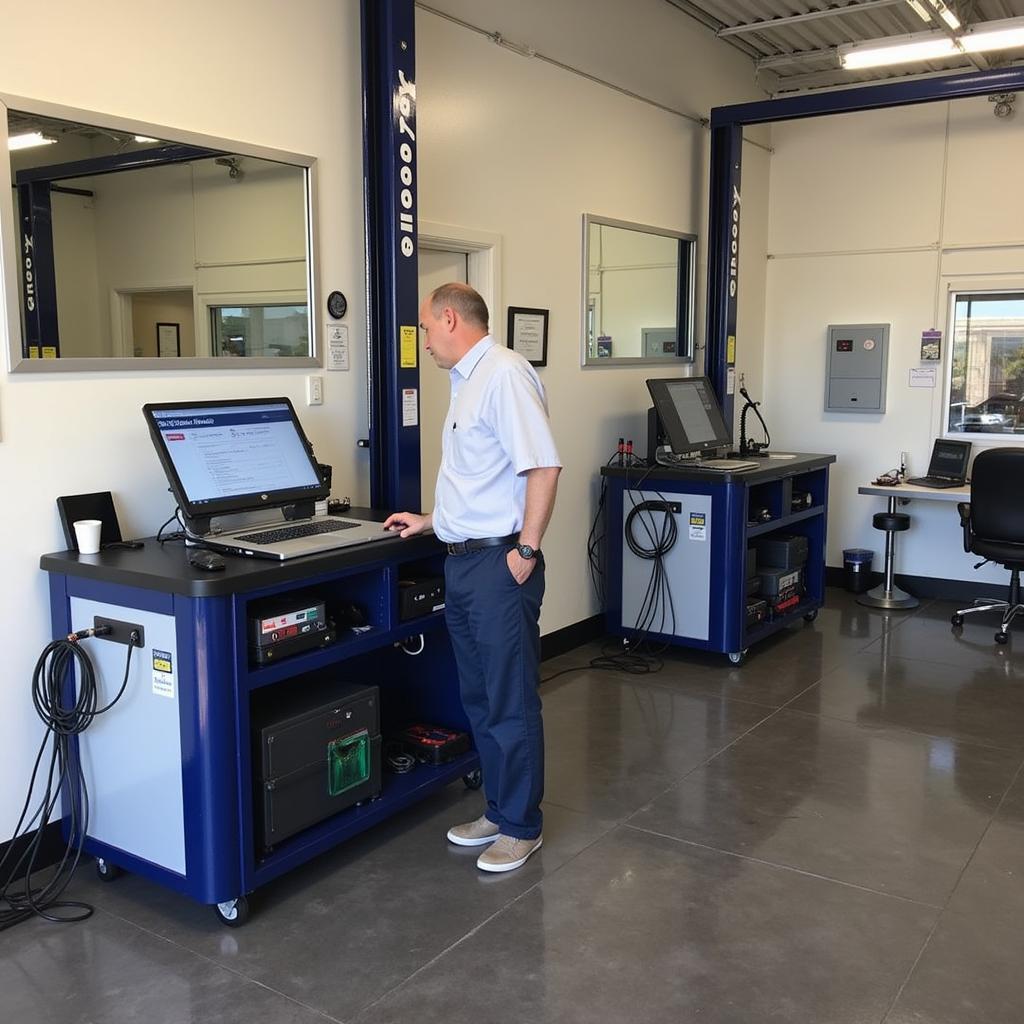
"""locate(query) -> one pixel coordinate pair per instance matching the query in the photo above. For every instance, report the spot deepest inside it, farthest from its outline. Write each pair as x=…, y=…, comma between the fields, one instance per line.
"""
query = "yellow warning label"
x=49, y=351
x=161, y=665
x=730, y=349
x=407, y=349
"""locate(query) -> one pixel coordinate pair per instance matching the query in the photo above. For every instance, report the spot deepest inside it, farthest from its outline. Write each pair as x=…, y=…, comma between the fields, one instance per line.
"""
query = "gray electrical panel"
x=858, y=359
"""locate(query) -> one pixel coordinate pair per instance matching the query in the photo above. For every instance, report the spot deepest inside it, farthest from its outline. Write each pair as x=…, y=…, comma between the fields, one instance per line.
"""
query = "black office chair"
x=993, y=525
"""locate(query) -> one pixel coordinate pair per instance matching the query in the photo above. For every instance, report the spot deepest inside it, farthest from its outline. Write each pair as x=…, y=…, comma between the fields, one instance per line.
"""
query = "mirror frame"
x=687, y=356
x=10, y=263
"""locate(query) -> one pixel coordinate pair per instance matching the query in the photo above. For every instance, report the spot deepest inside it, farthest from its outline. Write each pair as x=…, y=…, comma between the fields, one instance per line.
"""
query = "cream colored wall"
x=71, y=433
x=874, y=218
x=152, y=308
x=517, y=147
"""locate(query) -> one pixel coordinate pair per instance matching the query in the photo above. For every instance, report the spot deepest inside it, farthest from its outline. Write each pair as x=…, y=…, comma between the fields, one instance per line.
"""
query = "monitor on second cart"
x=690, y=414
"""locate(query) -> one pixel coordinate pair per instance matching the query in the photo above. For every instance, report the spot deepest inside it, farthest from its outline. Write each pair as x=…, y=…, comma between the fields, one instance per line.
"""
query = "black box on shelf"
x=420, y=596
x=751, y=563
x=318, y=752
x=779, y=585
x=781, y=550
x=754, y=586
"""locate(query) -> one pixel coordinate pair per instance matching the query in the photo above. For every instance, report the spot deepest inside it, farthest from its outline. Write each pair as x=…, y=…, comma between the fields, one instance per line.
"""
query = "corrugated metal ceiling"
x=800, y=52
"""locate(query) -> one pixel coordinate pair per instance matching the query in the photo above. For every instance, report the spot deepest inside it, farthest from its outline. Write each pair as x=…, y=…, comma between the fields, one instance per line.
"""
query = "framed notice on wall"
x=168, y=339
x=528, y=333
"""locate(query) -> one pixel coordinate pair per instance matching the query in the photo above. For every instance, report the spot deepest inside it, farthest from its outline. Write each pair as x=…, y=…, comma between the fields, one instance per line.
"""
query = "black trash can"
x=857, y=569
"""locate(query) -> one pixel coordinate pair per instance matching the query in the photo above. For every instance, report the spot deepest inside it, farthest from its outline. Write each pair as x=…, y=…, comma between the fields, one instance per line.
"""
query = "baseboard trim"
x=928, y=587
x=51, y=849
x=570, y=637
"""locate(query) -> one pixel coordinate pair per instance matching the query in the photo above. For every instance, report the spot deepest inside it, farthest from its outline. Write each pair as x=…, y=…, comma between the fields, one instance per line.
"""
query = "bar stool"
x=887, y=594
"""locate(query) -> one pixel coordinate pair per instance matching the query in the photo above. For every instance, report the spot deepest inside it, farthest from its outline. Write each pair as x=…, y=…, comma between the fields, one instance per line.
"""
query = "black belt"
x=464, y=547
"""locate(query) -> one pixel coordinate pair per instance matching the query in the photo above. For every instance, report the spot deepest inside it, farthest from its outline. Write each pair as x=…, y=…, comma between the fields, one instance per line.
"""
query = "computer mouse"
x=208, y=560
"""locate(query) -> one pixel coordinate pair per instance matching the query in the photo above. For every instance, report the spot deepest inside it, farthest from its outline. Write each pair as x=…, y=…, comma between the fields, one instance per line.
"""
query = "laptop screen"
x=949, y=459
x=234, y=456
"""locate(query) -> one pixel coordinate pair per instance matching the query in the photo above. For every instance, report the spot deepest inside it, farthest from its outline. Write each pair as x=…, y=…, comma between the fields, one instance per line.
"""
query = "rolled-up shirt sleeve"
x=520, y=420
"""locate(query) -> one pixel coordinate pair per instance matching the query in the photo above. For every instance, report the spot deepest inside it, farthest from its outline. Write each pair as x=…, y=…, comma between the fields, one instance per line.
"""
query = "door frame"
x=483, y=262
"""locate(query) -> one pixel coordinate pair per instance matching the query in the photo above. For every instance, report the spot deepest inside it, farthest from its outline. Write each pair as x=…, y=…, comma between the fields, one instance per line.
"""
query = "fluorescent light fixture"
x=897, y=50
x=995, y=35
x=920, y=10
x=945, y=13
x=27, y=140
x=145, y=138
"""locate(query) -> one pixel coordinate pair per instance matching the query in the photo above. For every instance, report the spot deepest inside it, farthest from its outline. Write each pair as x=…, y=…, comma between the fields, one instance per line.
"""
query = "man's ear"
x=449, y=318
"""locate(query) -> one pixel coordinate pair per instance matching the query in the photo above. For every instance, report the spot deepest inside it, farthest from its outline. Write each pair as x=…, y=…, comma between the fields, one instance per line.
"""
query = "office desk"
x=718, y=515
x=887, y=595
x=172, y=785
x=908, y=492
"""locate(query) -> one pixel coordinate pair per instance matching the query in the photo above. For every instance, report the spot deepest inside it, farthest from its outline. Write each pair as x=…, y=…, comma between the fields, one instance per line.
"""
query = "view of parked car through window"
x=986, y=393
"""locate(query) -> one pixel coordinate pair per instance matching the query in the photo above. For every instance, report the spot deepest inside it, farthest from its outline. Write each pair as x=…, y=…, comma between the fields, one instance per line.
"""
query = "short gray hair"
x=466, y=301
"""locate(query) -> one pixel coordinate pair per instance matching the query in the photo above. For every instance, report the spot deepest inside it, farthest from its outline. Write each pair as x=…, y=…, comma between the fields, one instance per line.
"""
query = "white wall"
x=874, y=217
x=522, y=149
x=69, y=433
x=507, y=144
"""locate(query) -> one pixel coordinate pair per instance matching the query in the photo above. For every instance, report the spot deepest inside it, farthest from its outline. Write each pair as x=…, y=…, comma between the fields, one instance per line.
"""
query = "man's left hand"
x=520, y=567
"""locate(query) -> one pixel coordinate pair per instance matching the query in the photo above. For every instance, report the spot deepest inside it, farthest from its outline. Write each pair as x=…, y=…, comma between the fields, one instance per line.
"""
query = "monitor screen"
x=234, y=456
x=950, y=458
x=690, y=414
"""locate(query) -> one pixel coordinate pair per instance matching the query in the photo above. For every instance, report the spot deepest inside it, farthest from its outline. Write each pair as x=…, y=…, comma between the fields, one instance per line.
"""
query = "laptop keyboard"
x=279, y=534
x=934, y=481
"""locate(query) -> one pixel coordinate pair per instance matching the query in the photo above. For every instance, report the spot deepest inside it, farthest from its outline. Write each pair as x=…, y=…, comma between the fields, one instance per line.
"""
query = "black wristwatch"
x=525, y=551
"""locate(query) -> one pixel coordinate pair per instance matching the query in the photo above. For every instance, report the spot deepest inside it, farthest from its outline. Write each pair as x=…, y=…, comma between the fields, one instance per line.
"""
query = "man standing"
x=494, y=496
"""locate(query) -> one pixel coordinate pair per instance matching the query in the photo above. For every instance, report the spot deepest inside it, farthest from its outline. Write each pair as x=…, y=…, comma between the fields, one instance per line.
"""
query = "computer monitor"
x=690, y=414
x=234, y=455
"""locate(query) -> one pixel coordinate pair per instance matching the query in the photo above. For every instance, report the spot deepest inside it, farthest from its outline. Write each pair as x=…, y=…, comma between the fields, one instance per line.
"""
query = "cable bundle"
x=49, y=682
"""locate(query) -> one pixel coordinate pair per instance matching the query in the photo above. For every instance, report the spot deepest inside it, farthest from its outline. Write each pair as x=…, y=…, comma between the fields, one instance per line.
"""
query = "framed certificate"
x=168, y=339
x=528, y=333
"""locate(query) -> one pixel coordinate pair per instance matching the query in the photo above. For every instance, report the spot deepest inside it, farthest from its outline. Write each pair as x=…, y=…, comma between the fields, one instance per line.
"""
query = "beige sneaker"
x=508, y=853
x=473, y=833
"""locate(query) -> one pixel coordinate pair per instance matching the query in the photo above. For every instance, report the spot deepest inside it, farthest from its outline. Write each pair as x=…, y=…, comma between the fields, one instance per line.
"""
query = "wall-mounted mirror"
x=129, y=247
x=638, y=293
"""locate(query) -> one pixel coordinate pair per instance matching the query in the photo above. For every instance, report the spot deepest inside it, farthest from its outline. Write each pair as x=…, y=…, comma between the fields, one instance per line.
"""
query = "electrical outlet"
x=314, y=390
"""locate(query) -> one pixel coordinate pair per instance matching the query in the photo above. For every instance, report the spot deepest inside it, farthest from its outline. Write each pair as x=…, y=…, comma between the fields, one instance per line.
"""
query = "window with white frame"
x=986, y=364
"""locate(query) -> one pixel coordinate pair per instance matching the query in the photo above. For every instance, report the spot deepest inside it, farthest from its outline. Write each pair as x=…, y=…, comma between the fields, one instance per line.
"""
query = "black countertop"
x=774, y=469
x=165, y=567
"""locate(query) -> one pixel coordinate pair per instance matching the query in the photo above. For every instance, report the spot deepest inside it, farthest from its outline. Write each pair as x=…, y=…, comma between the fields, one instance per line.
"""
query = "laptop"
x=948, y=466
x=224, y=458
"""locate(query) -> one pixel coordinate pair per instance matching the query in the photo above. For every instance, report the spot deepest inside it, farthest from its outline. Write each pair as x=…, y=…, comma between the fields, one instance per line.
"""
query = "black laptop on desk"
x=225, y=458
x=948, y=466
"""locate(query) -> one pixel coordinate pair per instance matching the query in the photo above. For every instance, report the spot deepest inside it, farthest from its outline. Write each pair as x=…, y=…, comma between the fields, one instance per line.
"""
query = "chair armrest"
x=965, y=521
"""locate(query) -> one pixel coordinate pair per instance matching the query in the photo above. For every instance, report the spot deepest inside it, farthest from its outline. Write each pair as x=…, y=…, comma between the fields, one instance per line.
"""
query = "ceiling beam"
x=793, y=19
x=777, y=60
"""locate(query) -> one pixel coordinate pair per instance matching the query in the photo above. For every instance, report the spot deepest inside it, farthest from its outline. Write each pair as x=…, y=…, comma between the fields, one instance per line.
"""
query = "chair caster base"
x=1002, y=638
x=879, y=597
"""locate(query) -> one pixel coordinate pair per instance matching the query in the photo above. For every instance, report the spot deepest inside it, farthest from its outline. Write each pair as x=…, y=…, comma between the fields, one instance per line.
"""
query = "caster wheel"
x=107, y=872
x=1002, y=638
x=738, y=657
x=233, y=913
x=811, y=616
x=474, y=780
x=957, y=621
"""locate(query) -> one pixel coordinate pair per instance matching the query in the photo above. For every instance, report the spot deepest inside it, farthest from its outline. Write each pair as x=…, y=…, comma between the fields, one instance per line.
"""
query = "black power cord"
x=50, y=683
x=748, y=448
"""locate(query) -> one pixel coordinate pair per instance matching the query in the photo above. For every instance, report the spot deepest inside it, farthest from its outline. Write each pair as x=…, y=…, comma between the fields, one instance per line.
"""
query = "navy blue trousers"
x=495, y=633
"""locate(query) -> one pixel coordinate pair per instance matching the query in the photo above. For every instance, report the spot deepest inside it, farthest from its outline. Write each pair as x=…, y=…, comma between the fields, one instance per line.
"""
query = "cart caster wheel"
x=233, y=913
x=1002, y=638
x=738, y=657
x=474, y=780
x=957, y=621
x=107, y=872
x=811, y=616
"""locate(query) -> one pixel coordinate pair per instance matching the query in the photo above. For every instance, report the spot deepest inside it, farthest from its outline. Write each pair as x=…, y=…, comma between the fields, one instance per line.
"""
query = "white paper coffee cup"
x=87, y=533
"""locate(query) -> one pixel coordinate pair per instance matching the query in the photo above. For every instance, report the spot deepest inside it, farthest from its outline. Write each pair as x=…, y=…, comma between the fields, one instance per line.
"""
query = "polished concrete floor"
x=830, y=833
